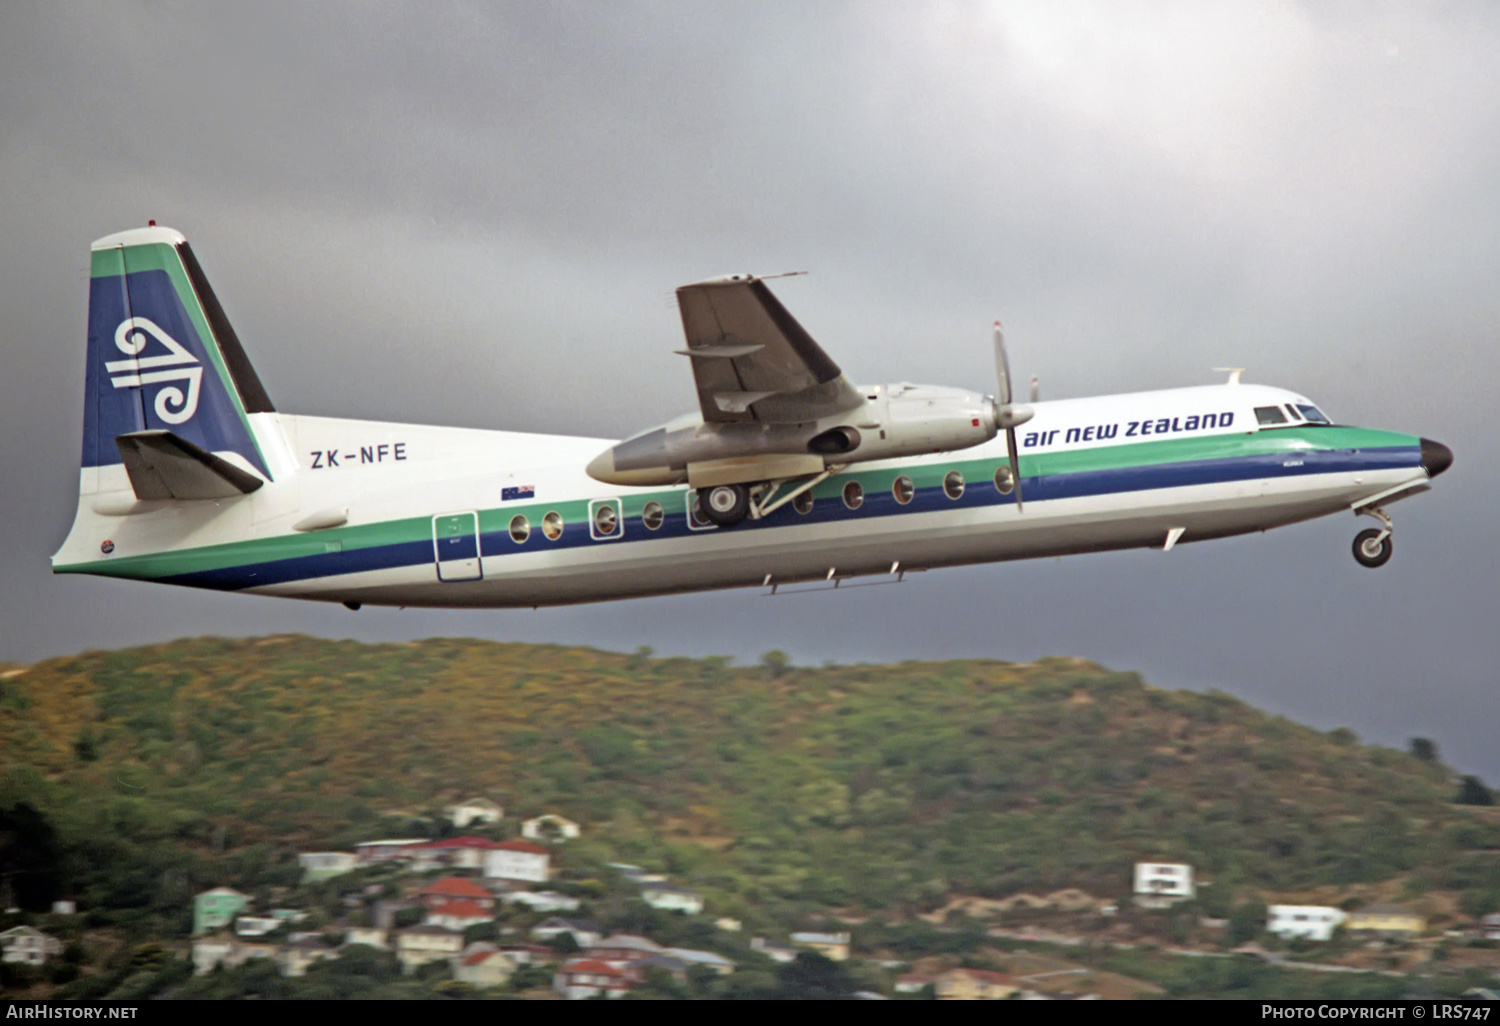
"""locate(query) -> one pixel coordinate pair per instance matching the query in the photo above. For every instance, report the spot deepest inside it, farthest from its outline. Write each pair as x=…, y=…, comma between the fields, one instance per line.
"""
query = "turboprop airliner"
x=787, y=474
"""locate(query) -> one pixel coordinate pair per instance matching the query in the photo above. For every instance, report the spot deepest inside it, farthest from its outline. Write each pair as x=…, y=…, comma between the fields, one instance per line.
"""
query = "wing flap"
x=163, y=466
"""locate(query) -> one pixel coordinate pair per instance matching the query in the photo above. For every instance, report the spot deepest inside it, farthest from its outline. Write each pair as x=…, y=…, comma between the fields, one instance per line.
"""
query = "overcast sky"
x=485, y=208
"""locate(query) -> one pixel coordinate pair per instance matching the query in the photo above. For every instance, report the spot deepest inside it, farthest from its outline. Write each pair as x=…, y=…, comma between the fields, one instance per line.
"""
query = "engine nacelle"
x=895, y=420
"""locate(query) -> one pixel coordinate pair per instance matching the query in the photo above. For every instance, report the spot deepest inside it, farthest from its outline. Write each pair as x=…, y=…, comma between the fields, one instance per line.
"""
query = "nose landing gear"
x=1372, y=546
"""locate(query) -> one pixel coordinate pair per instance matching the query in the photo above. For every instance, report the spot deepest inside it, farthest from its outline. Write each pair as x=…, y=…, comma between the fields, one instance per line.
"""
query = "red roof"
x=457, y=887
x=462, y=842
x=527, y=846
x=480, y=956
x=591, y=965
x=464, y=909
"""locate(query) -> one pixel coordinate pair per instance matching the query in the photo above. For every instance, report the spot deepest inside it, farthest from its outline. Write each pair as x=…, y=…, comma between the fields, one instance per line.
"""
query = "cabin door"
x=455, y=546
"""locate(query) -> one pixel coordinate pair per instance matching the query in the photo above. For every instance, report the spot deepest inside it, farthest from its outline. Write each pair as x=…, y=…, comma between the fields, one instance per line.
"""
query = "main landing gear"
x=726, y=505
x=1372, y=546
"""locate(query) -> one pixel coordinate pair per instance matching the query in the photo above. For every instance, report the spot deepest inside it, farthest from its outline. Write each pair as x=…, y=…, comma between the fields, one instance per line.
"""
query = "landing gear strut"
x=726, y=505
x=1372, y=546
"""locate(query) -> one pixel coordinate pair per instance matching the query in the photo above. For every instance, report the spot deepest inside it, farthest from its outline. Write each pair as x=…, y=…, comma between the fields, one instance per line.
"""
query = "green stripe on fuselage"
x=674, y=501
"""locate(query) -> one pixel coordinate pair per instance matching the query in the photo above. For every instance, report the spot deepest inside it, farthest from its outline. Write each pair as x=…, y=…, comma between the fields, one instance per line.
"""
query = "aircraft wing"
x=752, y=361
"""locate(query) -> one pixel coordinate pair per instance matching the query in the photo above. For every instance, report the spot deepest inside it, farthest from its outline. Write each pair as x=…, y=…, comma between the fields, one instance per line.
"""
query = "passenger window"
x=953, y=484
x=520, y=529
x=606, y=520
x=803, y=503
x=552, y=526
x=903, y=489
x=1005, y=481
x=854, y=495
x=653, y=516
x=1268, y=415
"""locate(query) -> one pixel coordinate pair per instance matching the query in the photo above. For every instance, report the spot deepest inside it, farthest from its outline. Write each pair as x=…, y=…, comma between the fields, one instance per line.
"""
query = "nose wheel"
x=1372, y=546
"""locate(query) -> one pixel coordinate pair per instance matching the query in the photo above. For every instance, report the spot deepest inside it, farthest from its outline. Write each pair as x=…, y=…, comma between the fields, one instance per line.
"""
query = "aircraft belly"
x=641, y=566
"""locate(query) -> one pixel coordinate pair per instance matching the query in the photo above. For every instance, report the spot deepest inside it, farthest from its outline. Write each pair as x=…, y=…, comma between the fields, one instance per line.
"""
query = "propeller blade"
x=1015, y=465
x=1002, y=367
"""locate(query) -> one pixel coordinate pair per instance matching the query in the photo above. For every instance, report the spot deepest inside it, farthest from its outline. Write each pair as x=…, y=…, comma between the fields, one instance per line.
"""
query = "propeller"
x=1009, y=414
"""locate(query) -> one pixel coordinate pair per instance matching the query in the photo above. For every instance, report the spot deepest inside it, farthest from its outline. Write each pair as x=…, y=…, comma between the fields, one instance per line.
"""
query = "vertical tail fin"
x=161, y=354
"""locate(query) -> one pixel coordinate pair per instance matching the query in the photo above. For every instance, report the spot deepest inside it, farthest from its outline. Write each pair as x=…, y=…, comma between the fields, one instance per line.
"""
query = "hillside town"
x=491, y=913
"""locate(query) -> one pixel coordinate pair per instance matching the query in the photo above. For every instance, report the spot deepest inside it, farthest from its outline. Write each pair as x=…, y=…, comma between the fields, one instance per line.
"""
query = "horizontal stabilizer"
x=163, y=466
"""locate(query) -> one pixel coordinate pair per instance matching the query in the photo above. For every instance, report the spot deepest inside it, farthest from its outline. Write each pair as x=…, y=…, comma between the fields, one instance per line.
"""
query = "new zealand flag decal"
x=518, y=492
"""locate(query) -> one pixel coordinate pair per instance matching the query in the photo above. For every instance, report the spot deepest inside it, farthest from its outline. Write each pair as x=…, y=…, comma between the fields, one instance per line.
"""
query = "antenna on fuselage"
x=1233, y=372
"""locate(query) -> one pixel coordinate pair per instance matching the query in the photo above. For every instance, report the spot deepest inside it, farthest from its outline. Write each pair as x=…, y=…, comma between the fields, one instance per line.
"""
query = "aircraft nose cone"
x=1436, y=457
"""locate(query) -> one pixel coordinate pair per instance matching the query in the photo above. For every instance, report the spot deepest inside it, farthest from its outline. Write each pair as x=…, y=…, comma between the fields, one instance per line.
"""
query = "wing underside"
x=752, y=361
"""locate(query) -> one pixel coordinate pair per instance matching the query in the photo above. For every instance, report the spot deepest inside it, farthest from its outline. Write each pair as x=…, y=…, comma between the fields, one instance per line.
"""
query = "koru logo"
x=172, y=405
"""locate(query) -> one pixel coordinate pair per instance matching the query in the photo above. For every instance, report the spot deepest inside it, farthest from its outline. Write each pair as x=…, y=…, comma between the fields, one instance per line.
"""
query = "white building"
x=255, y=926
x=517, y=860
x=321, y=865
x=542, y=901
x=418, y=945
x=550, y=827
x=374, y=936
x=29, y=945
x=1313, y=922
x=475, y=810
x=1159, y=884
x=672, y=898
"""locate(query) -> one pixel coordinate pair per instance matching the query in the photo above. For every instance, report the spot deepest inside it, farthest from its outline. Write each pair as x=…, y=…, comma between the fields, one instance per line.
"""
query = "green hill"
x=778, y=790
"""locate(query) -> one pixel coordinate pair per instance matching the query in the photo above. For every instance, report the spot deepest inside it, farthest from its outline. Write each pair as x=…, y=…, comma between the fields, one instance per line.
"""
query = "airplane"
x=787, y=475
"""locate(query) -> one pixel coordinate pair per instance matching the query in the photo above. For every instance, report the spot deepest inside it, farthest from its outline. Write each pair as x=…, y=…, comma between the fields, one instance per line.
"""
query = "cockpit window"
x=1267, y=415
x=1312, y=413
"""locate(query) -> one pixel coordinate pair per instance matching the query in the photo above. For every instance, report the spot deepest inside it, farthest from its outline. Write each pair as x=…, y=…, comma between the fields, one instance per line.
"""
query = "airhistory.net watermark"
x=69, y=1012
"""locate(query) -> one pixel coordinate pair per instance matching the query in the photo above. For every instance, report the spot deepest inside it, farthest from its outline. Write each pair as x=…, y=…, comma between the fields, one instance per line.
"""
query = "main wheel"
x=727, y=505
x=1370, y=549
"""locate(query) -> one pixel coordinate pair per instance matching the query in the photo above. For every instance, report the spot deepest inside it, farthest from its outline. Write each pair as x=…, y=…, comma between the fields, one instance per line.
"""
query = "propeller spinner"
x=1008, y=414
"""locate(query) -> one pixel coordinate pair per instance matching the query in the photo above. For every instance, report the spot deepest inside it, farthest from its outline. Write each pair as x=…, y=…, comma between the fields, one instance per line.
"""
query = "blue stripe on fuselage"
x=1079, y=484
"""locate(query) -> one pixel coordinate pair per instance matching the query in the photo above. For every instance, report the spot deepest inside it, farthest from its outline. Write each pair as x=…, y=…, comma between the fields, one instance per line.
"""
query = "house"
x=324, y=865
x=418, y=945
x=255, y=926
x=373, y=936
x=585, y=934
x=459, y=852
x=458, y=915
x=1489, y=927
x=550, y=827
x=215, y=909
x=973, y=985
x=456, y=888
x=775, y=952
x=542, y=901
x=528, y=954
x=397, y=849
x=635, y=874
x=483, y=965
x=295, y=956
x=475, y=810
x=517, y=860
x=912, y=983
x=718, y=963
x=1161, y=884
x=1309, y=922
x=671, y=897
x=729, y=925
x=65, y=908
x=623, y=948
x=588, y=977
x=829, y=945
x=28, y=945
x=1387, y=920
x=222, y=949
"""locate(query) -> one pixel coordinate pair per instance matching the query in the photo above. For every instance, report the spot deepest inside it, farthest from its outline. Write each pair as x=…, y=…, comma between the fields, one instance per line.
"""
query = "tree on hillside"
x=777, y=662
x=1424, y=749
x=1471, y=791
x=812, y=977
